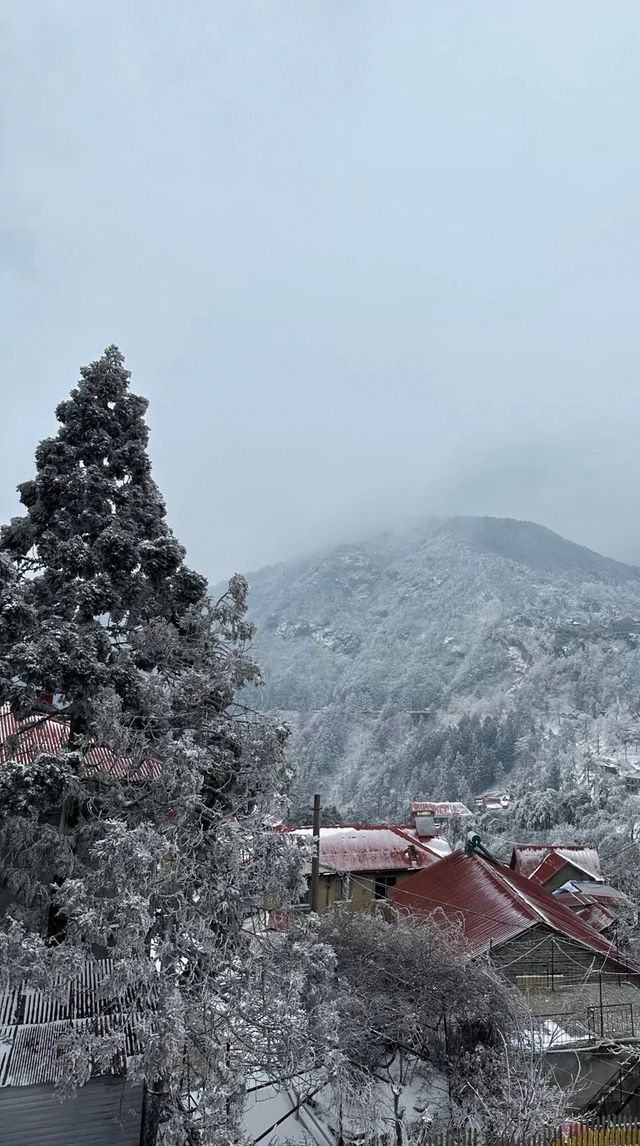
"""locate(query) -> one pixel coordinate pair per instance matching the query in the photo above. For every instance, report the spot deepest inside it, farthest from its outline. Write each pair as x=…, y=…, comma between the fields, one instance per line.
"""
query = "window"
x=383, y=883
x=305, y=898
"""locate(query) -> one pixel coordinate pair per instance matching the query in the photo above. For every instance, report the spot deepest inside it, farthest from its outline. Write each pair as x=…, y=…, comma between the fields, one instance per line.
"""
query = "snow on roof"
x=374, y=847
x=602, y=892
x=436, y=844
x=494, y=904
x=442, y=808
x=33, y=1022
x=542, y=861
x=25, y=740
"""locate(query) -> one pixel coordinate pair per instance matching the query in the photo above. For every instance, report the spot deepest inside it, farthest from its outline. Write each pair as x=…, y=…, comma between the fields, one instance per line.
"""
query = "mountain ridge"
x=490, y=620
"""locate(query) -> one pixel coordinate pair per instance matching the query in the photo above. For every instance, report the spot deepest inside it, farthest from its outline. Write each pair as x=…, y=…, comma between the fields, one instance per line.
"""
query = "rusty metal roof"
x=34, y=1022
x=542, y=861
x=494, y=904
x=374, y=848
x=25, y=740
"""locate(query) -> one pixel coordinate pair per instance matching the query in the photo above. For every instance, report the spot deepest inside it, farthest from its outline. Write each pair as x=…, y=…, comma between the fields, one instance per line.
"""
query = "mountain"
x=438, y=657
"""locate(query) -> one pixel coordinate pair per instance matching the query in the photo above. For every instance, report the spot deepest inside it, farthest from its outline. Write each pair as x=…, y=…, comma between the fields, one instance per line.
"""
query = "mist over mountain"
x=440, y=657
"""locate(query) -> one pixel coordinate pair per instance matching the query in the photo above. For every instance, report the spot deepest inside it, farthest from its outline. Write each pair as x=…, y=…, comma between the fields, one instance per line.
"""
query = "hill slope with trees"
x=438, y=658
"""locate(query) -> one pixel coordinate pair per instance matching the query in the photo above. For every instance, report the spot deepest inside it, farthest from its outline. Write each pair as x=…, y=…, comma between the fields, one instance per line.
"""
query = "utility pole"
x=315, y=861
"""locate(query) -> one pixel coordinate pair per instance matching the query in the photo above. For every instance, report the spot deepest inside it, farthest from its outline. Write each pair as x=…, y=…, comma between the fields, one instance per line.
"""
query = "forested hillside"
x=436, y=658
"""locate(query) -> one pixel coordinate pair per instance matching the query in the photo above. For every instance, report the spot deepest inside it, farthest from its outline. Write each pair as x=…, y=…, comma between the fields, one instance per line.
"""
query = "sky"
x=366, y=259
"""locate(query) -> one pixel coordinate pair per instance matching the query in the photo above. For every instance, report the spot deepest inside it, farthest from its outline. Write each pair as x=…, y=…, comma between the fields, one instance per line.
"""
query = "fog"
x=366, y=259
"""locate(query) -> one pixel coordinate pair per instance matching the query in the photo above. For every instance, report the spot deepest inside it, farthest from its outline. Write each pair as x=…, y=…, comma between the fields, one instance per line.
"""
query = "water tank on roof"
x=425, y=826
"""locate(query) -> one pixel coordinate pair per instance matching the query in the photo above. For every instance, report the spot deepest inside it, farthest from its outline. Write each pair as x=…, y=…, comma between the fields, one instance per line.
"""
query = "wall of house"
x=105, y=1113
x=362, y=889
x=542, y=954
x=566, y=873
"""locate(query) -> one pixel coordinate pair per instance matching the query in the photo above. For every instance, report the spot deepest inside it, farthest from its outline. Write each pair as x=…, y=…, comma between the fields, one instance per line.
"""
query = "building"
x=494, y=801
x=25, y=740
x=597, y=904
x=33, y=1024
x=440, y=812
x=553, y=866
x=582, y=990
x=361, y=863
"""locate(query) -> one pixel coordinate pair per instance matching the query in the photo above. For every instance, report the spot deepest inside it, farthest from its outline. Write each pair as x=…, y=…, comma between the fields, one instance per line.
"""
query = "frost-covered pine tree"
x=98, y=563
x=156, y=852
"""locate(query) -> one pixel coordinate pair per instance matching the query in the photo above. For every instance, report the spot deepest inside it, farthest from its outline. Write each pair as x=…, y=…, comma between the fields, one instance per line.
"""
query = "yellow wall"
x=362, y=890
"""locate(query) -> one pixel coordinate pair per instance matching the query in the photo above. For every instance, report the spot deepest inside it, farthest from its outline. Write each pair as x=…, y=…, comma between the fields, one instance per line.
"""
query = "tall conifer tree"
x=163, y=856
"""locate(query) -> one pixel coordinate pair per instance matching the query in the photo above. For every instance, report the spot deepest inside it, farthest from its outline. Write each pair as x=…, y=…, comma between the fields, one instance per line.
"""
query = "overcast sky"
x=366, y=258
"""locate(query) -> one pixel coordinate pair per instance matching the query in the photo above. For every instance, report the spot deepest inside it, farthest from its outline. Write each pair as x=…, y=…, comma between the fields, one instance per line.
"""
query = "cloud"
x=362, y=258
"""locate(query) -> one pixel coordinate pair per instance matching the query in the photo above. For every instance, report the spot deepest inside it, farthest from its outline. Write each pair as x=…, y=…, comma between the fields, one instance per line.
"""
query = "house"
x=25, y=740
x=631, y=778
x=440, y=812
x=494, y=801
x=596, y=903
x=582, y=990
x=503, y=913
x=554, y=865
x=33, y=1024
x=360, y=863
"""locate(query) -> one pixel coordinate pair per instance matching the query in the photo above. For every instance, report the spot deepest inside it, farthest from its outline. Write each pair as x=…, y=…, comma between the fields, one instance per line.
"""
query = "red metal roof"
x=542, y=861
x=443, y=808
x=494, y=904
x=24, y=740
x=597, y=916
x=373, y=848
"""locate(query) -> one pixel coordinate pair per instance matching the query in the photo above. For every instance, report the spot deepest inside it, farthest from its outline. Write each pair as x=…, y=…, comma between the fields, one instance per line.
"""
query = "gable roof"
x=494, y=904
x=542, y=861
x=25, y=740
x=374, y=847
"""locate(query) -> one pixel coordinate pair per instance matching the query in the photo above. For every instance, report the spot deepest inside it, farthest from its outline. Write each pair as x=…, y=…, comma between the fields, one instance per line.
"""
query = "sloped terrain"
x=433, y=659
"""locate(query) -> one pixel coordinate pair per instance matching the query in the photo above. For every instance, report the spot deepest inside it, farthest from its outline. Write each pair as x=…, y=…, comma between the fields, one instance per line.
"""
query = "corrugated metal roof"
x=602, y=892
x=34, y=1022
x=373, y=847
x=442, y=808
x=542, y=861
x=597, y=916
x=25, y=740
x=494, y=904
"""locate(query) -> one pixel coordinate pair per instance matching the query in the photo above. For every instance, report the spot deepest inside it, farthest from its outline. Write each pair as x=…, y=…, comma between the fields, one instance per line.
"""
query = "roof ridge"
x=492, y=869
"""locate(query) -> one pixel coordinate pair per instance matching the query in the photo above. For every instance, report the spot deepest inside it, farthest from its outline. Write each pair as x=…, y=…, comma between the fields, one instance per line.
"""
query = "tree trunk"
x=151, y=1114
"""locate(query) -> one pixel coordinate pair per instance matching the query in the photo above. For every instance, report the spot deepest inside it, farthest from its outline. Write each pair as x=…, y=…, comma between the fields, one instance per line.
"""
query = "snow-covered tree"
x=156, y=854
x=409, y=994
x=106, y=598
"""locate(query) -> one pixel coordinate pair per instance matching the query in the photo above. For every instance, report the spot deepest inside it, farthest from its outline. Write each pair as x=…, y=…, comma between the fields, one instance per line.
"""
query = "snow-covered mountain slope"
x=433, y=658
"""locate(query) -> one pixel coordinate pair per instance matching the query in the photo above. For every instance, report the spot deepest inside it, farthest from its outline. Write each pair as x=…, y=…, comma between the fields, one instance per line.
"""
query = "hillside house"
x=582, y=990
x=361, y=863
x=439, y=812
x=497, y=800
x=553, y=866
